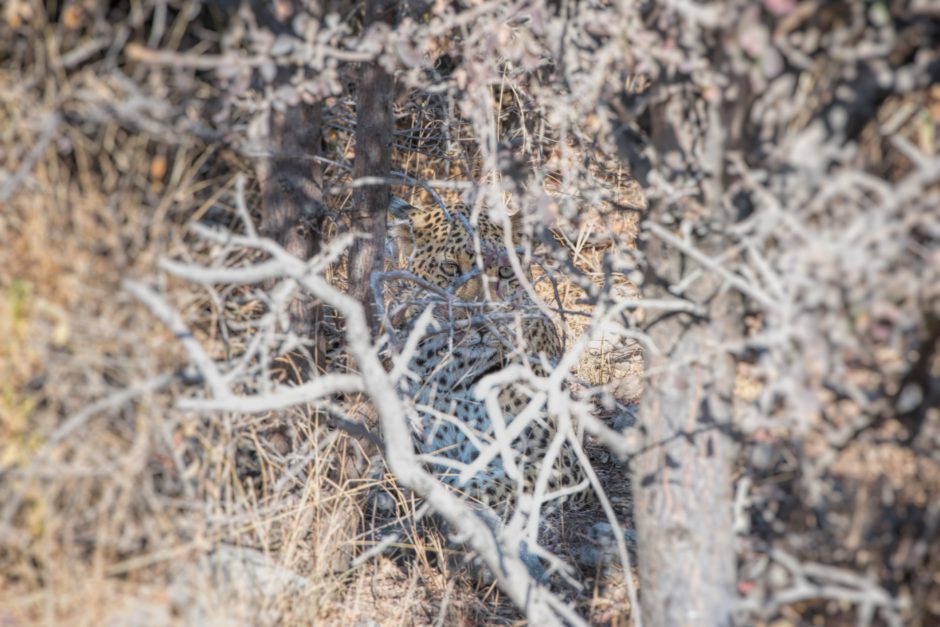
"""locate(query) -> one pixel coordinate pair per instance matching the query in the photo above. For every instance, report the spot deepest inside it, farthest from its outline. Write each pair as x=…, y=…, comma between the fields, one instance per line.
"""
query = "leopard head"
x=446, y=249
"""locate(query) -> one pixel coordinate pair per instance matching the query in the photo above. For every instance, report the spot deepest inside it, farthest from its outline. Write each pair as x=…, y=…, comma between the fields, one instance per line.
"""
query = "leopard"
x=483, y=320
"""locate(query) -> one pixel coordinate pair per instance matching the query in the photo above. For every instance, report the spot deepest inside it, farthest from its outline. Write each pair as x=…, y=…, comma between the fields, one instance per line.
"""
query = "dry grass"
x=143, y=511
x=131, y=510
x=136, y=512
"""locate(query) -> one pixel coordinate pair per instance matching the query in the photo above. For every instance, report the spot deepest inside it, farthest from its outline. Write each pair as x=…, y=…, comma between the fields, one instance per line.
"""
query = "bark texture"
x=682, y=481
x=291, y=183
x=374, y=125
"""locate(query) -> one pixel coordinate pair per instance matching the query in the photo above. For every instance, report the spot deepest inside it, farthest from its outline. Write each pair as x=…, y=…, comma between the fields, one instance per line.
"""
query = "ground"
x=119, y=506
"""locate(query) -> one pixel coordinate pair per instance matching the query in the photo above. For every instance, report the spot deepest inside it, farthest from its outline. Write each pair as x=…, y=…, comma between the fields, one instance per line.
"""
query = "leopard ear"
x=401, y=208
x=402, y=234
x=517, y=224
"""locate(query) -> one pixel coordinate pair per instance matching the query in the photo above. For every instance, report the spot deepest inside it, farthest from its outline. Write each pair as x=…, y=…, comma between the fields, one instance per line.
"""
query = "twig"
x=49, y=127
x=751, y=290
x=511, y=573
x=174, y=322
x=78, y=419
x=321, y=387
x=171, y=58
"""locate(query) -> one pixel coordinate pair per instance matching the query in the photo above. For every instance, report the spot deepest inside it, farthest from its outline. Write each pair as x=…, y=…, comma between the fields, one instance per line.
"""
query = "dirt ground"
x=120, y=508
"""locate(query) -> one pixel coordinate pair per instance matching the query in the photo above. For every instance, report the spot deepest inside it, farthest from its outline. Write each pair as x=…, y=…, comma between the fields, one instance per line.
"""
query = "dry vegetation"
x=124, y=126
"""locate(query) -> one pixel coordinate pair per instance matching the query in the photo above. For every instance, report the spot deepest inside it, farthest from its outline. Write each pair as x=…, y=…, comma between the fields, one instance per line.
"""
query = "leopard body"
x=483, y=321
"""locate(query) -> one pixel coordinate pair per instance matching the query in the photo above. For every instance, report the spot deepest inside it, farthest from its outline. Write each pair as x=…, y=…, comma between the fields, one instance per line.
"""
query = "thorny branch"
x=499, y=552
x=805, y=133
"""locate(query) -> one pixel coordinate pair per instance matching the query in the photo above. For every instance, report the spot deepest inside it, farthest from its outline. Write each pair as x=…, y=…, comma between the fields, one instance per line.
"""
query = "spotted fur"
x=469, y=261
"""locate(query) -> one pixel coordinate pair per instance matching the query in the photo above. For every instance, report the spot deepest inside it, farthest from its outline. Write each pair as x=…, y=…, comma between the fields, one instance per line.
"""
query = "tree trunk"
x=682, y=481
x=293, y=213
x=291, y=184
x=291, y=195
x=374, y=125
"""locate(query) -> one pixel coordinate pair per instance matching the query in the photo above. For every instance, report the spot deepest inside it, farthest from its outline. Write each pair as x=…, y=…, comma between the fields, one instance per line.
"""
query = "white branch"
x=753, y=291
x=282, y=398
x=175, y=323
x=539, y=605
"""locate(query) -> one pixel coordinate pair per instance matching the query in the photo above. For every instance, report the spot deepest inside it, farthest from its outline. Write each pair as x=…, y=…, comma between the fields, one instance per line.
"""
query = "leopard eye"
x=450, y=268
x=506, y=272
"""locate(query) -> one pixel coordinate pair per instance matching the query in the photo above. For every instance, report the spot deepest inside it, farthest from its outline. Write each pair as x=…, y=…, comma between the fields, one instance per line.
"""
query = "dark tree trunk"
x=291, y=180
x=291, y=183
x=291, y=192
x=682, y=481
x=374, y=125
x=291, y=200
